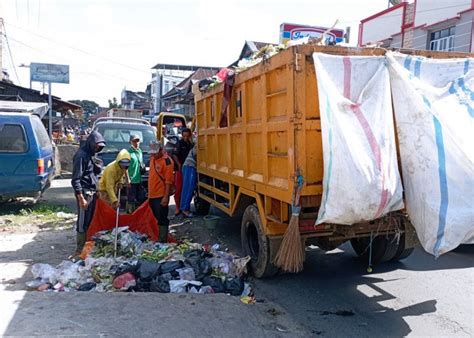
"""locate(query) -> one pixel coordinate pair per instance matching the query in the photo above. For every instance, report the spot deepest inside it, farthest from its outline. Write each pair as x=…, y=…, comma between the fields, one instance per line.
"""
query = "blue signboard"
x=46, y=72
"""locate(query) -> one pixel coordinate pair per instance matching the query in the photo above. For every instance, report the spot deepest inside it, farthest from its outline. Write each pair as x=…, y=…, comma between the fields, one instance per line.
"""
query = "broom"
x=290, y=256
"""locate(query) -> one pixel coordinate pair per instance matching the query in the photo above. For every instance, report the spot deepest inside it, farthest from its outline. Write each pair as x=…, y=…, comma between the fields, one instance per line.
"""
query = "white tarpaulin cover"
x=434, y=113
x=361, y=178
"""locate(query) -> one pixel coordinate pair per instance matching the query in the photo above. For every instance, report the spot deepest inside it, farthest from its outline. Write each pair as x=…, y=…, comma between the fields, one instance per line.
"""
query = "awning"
x=37, y=108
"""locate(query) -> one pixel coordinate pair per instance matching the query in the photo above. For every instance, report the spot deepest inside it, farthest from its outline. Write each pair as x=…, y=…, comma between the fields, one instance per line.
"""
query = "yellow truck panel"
x=273, y=132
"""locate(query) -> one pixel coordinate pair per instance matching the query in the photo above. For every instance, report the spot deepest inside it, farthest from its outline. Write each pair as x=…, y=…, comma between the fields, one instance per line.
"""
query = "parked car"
x=26, y=155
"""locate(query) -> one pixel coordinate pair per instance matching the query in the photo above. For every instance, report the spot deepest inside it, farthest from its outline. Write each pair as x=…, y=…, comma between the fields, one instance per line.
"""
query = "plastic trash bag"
x=87, y=286
x=34, y=284
x=68, y=272
x=171, y=267
x=181, y=286
x=126, y=267
x=45, y=272
x=125, y=281
x=239, y=267
x=186, y=274
x=160, y=284
x=215, y=283
x=196, y=260
x=147, y=270
x=234, y=286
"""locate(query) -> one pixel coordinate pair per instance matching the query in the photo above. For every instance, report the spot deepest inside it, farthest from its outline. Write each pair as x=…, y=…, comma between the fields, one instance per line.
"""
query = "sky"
x=113, y=44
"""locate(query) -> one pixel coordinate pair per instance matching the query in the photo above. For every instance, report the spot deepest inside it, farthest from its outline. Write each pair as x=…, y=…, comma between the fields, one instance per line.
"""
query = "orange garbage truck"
x=271, y=136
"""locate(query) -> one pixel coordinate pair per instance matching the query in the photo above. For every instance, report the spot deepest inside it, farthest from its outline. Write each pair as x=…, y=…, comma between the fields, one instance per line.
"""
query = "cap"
x=134, y=137
x=155, y=147
x=124, y=162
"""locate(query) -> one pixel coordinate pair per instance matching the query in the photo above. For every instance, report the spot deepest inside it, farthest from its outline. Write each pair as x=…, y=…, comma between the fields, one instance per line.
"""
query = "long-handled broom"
x=116, y=225
x=290, y=256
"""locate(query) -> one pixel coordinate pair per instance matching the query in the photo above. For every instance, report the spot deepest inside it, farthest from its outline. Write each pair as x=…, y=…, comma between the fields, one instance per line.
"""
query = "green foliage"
x=90, y=107
x=114, y=104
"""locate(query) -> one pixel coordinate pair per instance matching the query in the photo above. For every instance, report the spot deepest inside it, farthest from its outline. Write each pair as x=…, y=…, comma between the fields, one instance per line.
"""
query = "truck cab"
x=169, y=127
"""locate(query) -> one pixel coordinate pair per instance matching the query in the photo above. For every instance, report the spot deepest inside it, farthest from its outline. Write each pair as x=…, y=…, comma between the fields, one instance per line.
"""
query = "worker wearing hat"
x=114, y=177
x=160, y=185
x=135, y=171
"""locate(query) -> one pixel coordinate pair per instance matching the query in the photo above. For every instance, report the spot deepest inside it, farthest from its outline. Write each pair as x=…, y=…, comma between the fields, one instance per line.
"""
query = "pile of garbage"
x=262, y=54
x=141, y=265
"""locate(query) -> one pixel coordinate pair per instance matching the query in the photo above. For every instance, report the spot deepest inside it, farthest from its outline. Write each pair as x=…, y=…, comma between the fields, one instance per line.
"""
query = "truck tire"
x=202, y=207
x=256, y=244
x=402, y=253
x=383, y=248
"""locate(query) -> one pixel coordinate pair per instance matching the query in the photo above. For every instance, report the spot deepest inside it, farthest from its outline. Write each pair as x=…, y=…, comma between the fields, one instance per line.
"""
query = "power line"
x=28, y=10
x=10, y=52
x=78, y=49
x=93, y=74
x=39, y=12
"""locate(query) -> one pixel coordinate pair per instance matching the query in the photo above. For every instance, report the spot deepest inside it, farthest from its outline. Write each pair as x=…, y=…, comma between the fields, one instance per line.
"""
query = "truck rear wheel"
x=383, y=248
x=402, y=252
x=256, y=244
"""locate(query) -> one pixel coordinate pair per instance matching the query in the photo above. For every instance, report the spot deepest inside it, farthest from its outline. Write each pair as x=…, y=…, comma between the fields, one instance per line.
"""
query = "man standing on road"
x=135, y=173
x=84, y=182
x=114, y=177
x=160, y=181
x=183, y=147
x=189, y=182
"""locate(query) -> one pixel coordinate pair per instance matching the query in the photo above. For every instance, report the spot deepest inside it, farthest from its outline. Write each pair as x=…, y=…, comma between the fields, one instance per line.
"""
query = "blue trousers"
x=189, y=184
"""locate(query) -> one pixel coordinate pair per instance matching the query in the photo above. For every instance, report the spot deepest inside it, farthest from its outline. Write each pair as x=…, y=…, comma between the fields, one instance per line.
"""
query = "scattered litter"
x=281, y=329
x=343, y=313
x=274, y=312
x=145, y=266
x=247, y=300
x=62, y=214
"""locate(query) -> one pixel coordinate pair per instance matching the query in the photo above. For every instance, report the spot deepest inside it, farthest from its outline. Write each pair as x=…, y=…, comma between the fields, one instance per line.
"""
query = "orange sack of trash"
x=142, y=220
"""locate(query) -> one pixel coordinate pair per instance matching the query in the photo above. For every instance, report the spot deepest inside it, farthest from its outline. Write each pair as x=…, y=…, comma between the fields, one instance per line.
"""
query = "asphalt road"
x=333, y=296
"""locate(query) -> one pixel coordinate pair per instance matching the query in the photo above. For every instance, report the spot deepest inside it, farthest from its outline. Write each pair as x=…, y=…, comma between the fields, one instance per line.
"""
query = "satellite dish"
x=395, y=2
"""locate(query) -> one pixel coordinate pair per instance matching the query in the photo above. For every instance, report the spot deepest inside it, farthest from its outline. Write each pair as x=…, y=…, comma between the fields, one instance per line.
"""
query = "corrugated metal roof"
x=36, y=108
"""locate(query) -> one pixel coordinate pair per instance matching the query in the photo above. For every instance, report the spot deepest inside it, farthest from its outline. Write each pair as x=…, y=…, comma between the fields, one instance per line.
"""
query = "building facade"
x=137, y=100
x=162, y=81
x=441, y=25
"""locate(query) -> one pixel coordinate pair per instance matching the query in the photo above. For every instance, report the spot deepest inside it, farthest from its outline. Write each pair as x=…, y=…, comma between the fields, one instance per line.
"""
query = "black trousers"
x=161, y=215
x=136, y=193
x=84, y=216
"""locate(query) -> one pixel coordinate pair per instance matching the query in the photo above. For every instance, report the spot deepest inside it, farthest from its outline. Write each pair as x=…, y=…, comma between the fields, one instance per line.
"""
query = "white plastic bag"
x=45, y=272
x=361, y=178
x=179, y=286
x=434, y=112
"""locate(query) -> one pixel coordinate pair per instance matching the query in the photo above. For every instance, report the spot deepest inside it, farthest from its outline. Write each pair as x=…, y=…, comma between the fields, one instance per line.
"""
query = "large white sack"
x=361, y=178
x=434, y=114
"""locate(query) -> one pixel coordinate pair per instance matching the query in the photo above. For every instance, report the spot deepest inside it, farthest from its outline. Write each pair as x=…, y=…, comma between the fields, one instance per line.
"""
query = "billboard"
x=289, y=31
x=46, y=72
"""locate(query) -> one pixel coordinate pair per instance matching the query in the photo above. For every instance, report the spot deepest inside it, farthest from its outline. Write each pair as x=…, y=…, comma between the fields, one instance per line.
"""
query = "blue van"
x=26, y=156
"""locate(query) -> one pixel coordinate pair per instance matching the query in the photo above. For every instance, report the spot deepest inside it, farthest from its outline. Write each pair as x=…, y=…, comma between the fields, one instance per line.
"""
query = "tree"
x=90, y=107
x=114, y=104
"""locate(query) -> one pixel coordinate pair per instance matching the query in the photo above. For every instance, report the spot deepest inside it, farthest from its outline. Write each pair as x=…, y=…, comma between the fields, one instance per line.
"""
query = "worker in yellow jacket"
x=115, y=175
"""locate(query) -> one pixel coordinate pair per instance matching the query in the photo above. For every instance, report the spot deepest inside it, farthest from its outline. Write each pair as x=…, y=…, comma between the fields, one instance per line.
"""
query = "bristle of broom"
x=290, y=256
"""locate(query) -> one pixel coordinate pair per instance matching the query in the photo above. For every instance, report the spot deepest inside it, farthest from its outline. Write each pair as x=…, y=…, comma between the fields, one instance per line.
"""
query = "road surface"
x=333, y=296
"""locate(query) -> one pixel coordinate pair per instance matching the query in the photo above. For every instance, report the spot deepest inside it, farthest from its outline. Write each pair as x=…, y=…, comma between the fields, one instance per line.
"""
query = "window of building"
x=442, y=40
x=167, y=87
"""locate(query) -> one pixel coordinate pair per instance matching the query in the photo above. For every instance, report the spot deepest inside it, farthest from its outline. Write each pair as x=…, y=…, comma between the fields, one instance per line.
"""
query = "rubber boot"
x=130, y=207
x=163, y=234
x=80, y=241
